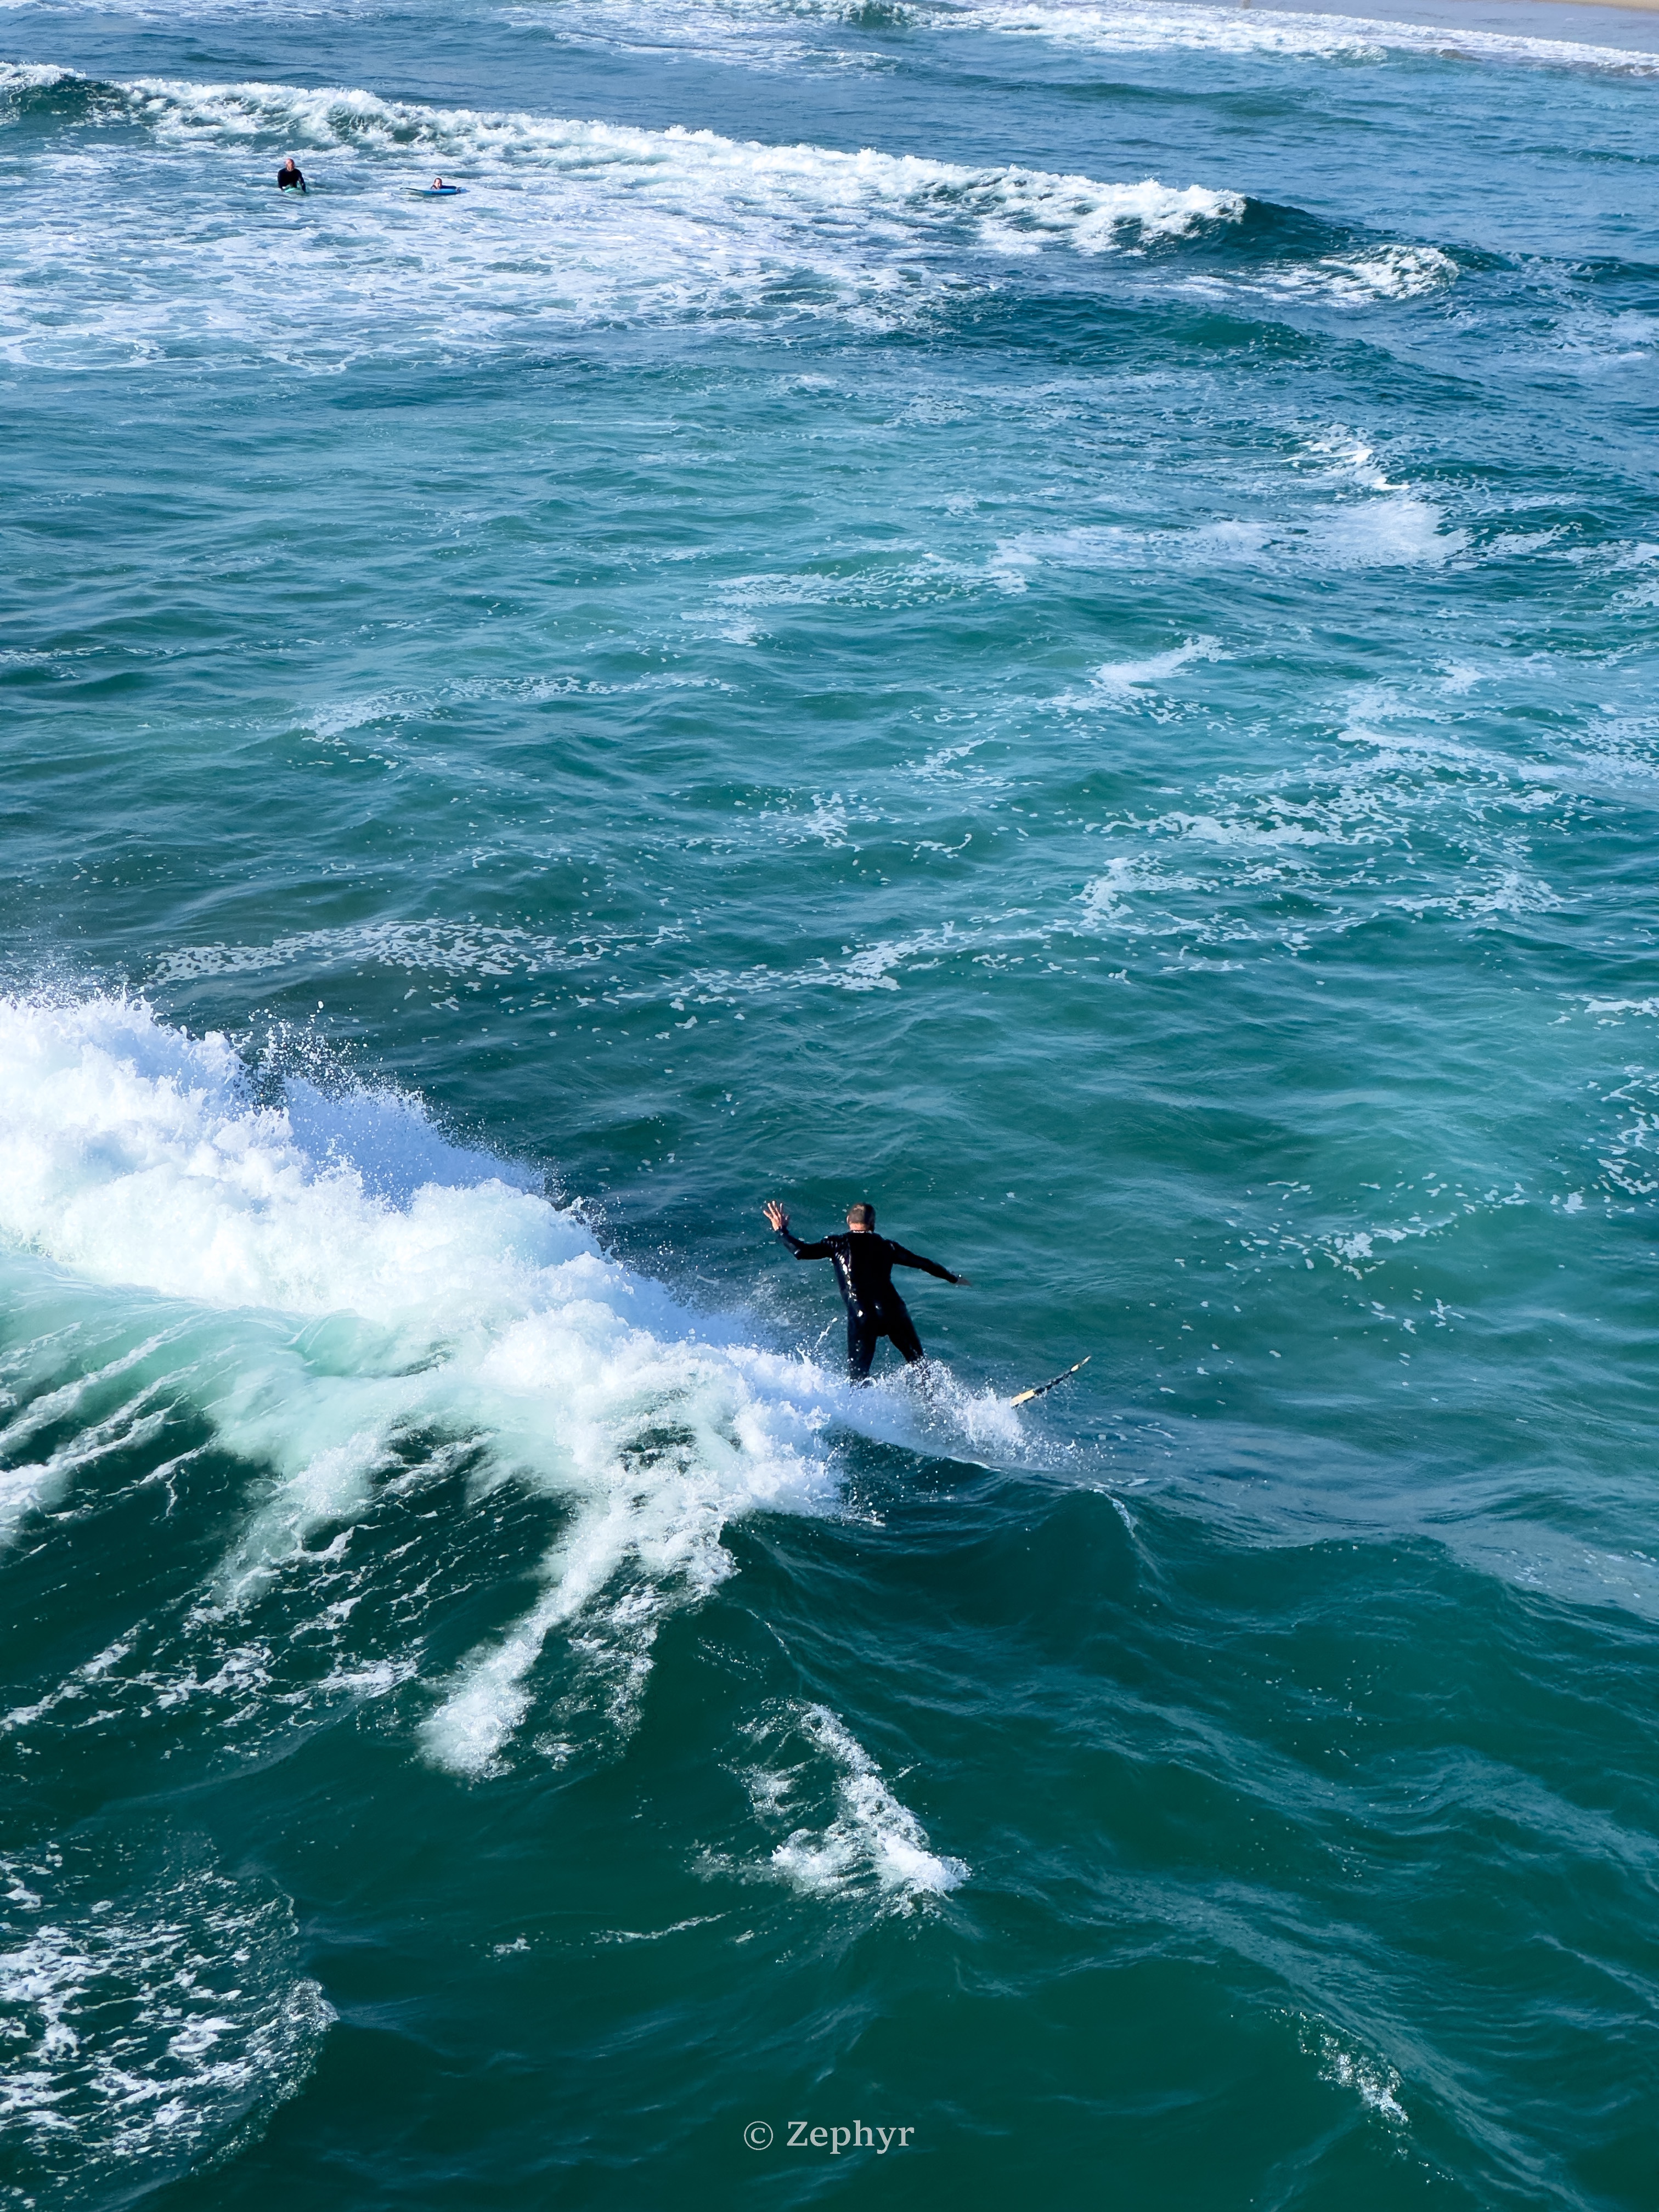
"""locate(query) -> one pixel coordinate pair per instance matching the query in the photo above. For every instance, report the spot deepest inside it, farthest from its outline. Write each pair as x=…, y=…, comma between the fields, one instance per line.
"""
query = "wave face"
x=1045, y=616
x=387, y=1302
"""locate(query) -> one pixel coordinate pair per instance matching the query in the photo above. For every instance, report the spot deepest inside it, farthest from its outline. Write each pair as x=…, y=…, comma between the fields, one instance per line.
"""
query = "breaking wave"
x=357, y=1306
x=564, y=221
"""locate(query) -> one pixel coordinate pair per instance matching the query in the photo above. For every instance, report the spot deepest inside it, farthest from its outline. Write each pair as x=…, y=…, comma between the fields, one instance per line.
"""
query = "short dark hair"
x=863, y=1213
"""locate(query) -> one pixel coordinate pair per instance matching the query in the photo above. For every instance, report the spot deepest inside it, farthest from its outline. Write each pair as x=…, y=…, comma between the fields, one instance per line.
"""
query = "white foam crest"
x=827, y=824
x=29, y=1488
x=86, y=1676
x=435, y=1296
x=337, y=721
x=1108, y=900
x=1389, y=272
x=1512, y=891
x=1399, y=531
x=1139, y=29
x=1373, y=2079
x=1275, y=830
x=664, y=1445
x=488, y=1698
x=334, y=1486
x=1133, y=28
x=696, y=172
x=131, y=1154
x=19, y=77
x=562, y=221
x=663, y=1551
x=65, y=1402
x=1381, y=526
x=1128, y=676
x=872, y=1842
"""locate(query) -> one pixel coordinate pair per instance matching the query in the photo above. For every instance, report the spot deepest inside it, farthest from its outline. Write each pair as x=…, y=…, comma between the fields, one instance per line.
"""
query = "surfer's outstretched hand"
x=776, y=1214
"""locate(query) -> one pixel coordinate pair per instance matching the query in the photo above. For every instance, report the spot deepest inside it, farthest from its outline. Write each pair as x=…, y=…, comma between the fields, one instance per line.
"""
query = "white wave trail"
x=1135, y=26
x=25, y=1487
x=871, y=1829
x=1129, y=676
x=376, y=1282
x=847, y=1833
x=563, y=222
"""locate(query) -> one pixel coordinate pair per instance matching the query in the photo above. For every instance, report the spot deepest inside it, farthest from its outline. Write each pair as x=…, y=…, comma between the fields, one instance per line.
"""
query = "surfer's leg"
x=903, y=1330
x=861, y=1340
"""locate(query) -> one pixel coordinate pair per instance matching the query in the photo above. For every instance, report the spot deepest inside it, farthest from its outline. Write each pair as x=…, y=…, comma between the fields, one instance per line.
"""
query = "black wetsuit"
x=864, y=1268
x=289, y=176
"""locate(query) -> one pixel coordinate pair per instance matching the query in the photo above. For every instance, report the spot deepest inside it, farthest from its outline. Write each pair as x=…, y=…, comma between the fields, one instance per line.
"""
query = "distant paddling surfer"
x=864, y=1268
x=290, y=176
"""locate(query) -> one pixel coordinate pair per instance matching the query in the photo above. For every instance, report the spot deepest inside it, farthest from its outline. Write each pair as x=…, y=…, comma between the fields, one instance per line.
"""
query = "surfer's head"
x=861, y=1216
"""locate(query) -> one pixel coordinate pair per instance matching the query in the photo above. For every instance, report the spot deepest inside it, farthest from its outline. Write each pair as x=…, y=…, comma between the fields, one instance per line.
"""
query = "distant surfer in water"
x=290, y=175
x=864, y=1268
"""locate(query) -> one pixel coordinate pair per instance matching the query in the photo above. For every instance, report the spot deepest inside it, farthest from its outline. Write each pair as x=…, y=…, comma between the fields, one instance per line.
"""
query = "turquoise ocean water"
x=1042, y=615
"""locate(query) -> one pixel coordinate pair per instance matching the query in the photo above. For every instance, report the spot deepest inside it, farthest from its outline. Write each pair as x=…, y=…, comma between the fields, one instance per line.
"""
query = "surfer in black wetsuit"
x=864, y=1268
x=290, y=175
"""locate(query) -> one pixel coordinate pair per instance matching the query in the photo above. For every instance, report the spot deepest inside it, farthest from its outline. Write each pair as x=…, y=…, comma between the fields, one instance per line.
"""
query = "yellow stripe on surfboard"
x=1037, y=1389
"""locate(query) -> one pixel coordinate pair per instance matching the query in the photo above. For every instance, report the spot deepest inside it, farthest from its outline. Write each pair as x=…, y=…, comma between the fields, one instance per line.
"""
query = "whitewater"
x=405, y=1302
x=1044, y=617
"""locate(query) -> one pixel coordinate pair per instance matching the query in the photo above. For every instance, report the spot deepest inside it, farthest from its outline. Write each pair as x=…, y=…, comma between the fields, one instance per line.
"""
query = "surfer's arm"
x=904, y=1259
x=780, y=1221
x=805, y=1251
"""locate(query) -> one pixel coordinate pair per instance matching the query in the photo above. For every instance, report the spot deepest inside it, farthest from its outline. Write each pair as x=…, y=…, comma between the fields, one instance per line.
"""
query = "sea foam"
x=146, y=2019
x=1134, y=26
x=563, y=220
x=369, y=1281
